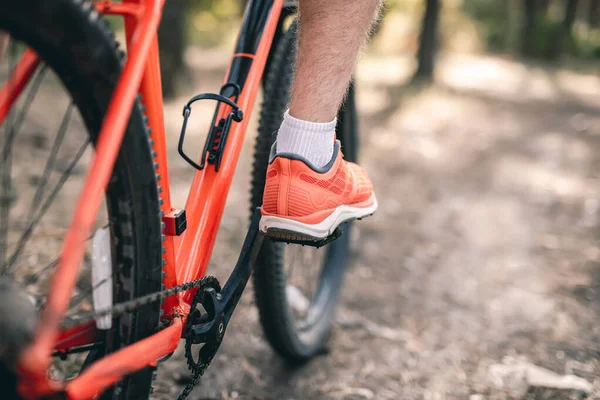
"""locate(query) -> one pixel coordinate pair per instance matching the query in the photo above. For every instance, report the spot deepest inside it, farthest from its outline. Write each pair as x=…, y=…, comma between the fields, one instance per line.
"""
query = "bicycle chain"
x=190, y=386
x=131, y=305
x=199, y=367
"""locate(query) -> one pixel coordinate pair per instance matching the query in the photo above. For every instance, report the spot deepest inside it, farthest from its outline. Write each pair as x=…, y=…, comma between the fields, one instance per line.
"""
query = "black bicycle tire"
x=76, y=42
x=269, y=278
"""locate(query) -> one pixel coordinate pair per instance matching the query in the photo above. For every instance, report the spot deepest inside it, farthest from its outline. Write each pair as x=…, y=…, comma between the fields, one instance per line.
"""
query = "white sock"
x=311, y=140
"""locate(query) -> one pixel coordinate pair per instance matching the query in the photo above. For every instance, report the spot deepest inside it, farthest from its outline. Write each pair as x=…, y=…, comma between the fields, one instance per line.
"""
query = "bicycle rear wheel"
x=44, y=154
x=296, y=302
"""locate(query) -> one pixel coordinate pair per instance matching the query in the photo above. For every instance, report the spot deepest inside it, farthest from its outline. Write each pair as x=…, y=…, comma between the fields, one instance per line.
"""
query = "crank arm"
x=220, y=306
x=235, y=285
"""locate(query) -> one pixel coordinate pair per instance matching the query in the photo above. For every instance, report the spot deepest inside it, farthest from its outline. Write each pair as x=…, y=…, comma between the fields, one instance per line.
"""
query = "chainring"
x=209, y=283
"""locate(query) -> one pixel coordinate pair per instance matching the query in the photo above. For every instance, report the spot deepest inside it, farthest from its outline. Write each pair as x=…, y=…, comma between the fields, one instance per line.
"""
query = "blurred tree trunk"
x=528, y=34
x=242, y=6
x=594, y=13
x=172, y=42
x=564, y=34
x=428, y=41
x=513, y=13
x=570, y=14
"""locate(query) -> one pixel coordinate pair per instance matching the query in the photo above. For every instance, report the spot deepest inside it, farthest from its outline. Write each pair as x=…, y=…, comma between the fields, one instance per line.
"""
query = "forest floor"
x=483, y=256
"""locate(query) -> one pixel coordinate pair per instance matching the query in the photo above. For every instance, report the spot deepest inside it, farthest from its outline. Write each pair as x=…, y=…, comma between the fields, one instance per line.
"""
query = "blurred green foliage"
x=491, y=25
x=507, y=26
x=495, y=22
x=492, y=20
x=466, y=25
x=214, y=22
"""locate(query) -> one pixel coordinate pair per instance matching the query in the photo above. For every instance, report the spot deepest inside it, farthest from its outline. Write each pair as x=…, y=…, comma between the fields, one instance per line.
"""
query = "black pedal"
x=284, y=236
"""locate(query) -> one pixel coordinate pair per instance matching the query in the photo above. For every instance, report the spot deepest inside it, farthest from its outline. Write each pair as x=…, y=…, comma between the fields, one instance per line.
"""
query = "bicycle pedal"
x=289, y=237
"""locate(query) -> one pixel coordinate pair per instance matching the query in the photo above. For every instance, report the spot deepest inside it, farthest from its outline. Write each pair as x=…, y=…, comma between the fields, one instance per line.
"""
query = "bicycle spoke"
x=40, y=190
x=37, y=198
x=5, y=167
x=12, y=132
x=35, y=277
x=80, y=297
x=30, y=228
x=35, y=86
x=14, y=129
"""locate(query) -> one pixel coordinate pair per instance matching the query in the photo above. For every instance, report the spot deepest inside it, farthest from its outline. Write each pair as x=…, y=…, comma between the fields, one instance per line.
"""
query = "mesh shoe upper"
x=298, y=191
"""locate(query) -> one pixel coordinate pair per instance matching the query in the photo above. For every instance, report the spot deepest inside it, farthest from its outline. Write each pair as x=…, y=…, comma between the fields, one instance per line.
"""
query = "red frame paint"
x=23, y=72
x=187, y=257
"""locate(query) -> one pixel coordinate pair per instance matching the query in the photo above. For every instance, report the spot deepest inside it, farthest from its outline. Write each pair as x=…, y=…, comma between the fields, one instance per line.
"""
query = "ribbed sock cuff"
x=311, y=140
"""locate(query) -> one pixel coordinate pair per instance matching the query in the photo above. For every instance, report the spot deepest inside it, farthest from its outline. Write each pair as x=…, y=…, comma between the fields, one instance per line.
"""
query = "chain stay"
x=131, y=305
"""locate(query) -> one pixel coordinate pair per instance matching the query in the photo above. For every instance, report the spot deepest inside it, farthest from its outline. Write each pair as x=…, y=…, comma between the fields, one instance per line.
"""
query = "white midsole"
x=322, y=229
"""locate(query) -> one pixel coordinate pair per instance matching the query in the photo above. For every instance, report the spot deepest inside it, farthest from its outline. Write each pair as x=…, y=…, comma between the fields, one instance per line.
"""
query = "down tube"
x=209, y=189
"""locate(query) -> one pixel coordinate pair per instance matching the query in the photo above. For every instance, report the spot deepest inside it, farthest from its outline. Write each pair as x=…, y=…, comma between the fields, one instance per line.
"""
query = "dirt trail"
x=484, y=248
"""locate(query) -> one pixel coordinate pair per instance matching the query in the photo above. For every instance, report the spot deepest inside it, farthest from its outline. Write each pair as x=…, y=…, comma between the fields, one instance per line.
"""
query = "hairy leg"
x=331, y=34
x=296, y=202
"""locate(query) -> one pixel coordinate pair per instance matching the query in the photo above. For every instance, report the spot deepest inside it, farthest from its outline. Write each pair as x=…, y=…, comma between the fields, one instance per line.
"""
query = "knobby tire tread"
x=76, y=42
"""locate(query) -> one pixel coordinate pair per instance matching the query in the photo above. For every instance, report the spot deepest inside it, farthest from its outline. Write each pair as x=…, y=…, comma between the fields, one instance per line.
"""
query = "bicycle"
x=148, y=261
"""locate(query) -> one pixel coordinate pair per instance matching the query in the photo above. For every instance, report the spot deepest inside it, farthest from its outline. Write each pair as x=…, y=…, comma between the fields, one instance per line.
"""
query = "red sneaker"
x=303, y=202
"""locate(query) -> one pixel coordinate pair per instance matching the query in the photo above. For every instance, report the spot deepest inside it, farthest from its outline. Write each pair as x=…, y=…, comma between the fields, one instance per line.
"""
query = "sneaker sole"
x=287, y=229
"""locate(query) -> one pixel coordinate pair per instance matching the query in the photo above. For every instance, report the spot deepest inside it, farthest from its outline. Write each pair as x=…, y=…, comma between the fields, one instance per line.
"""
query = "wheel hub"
x=18, y=322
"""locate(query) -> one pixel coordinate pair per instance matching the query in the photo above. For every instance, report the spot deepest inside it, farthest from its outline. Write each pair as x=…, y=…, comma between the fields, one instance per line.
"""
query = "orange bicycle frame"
x=187, y=256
